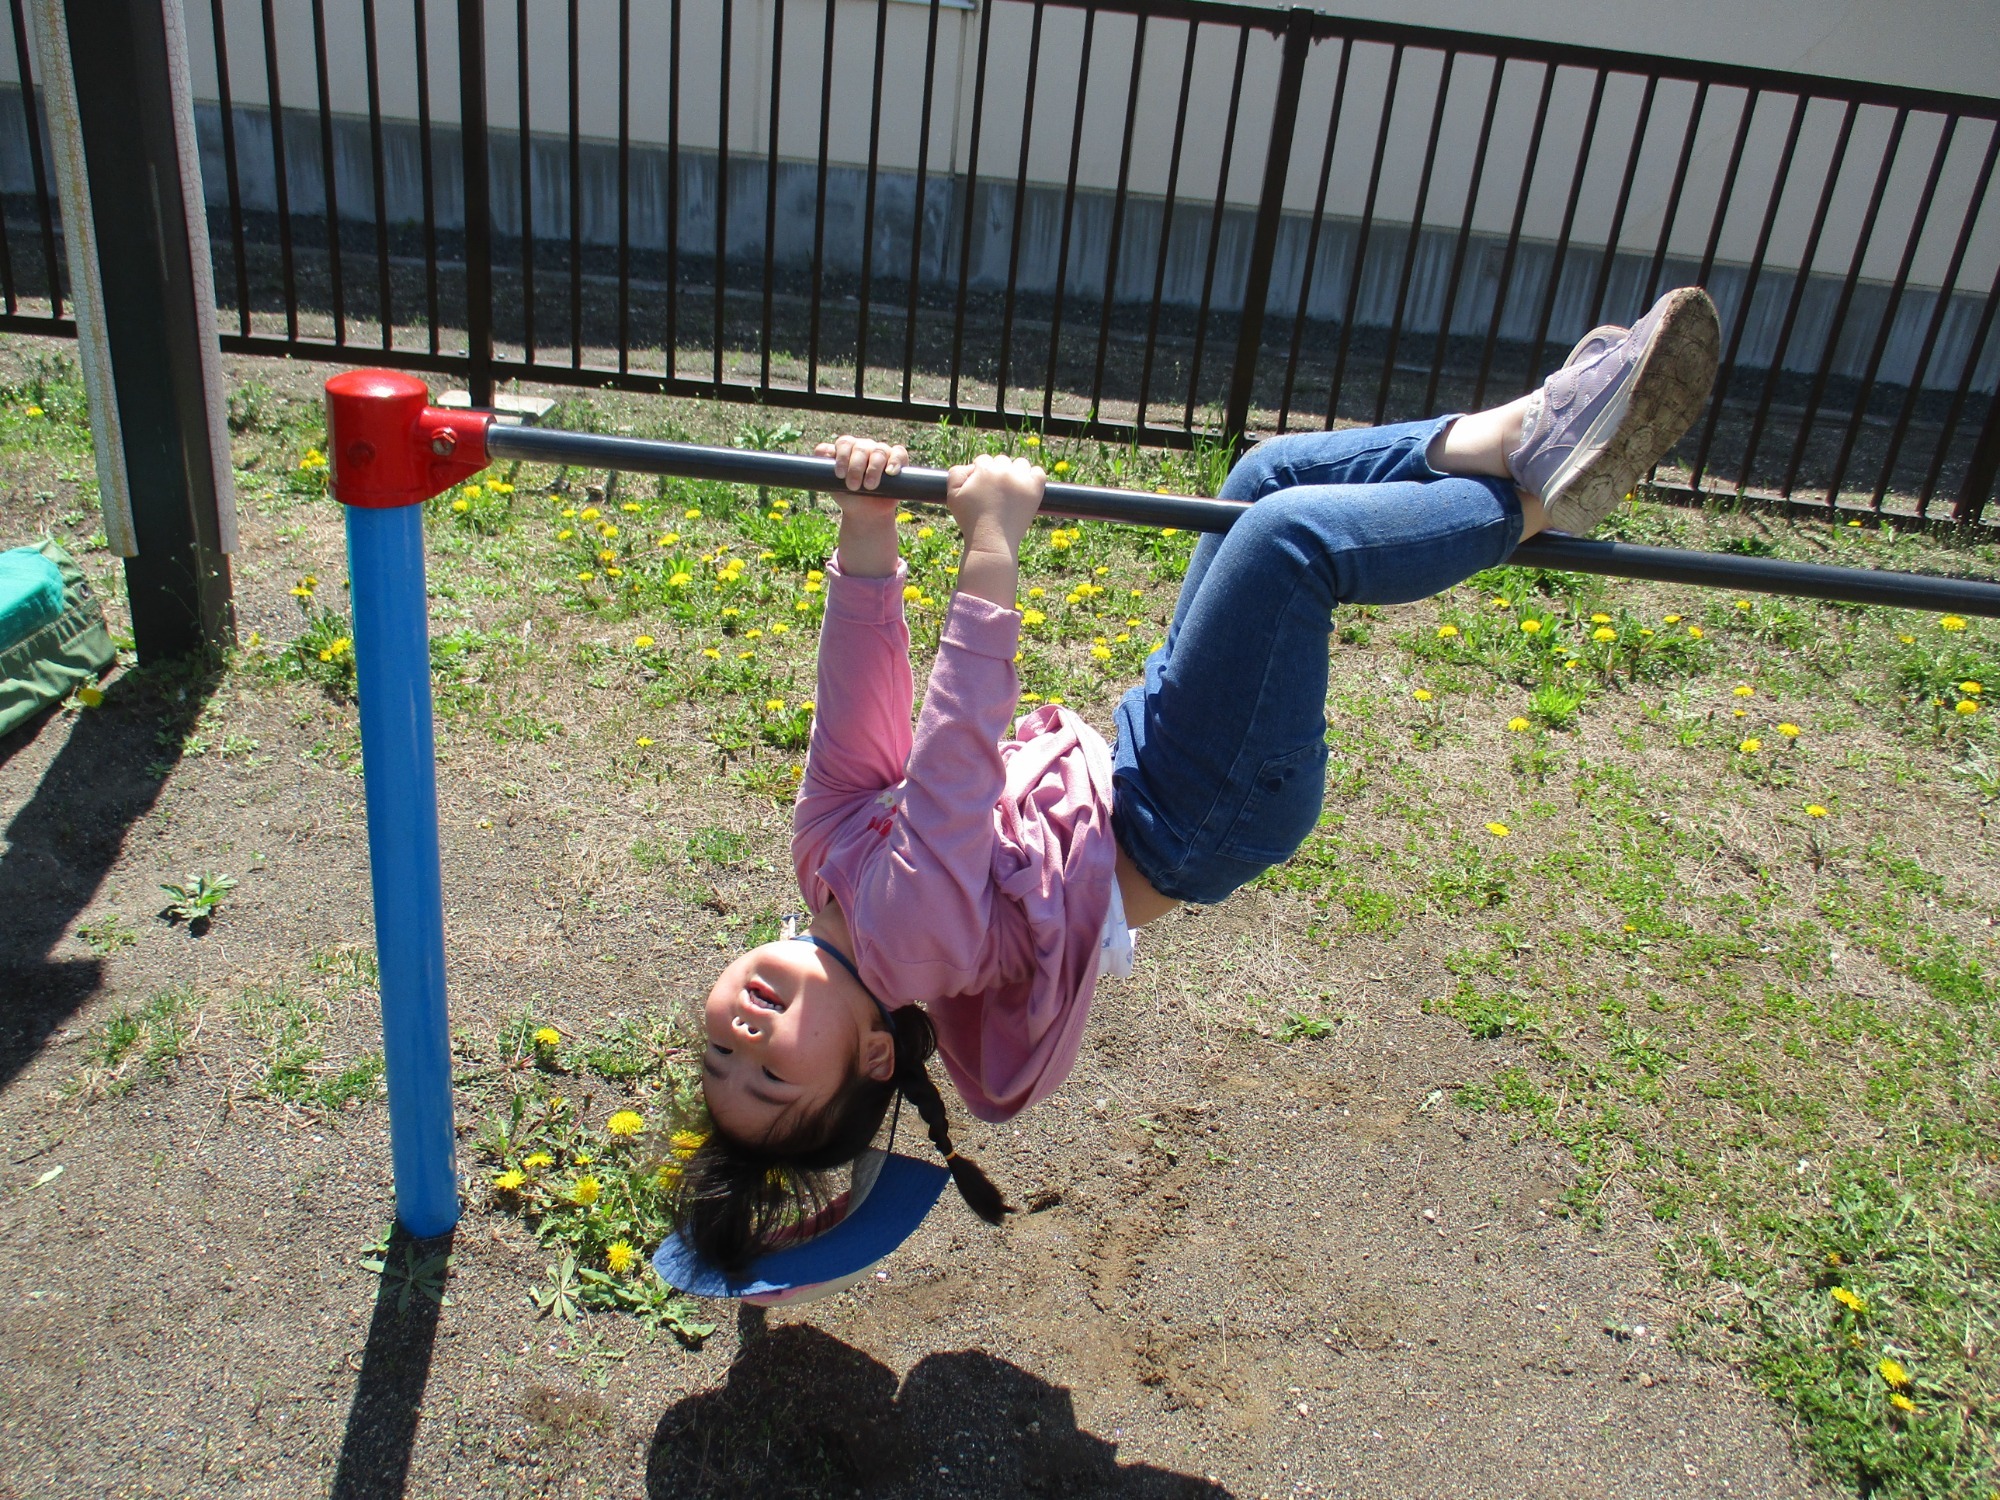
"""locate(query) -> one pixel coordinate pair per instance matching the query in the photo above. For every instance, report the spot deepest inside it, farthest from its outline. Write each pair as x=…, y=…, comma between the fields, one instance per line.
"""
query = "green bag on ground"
x=52, y=635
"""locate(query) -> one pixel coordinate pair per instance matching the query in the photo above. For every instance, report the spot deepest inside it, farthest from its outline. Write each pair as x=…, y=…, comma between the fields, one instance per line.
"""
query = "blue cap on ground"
x=890, y=1197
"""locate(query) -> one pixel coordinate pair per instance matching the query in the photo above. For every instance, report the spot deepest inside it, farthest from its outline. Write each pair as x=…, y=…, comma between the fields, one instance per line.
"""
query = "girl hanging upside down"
x=968, y=888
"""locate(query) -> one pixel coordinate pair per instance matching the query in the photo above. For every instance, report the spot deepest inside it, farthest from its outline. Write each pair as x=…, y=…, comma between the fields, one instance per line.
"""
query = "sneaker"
x=1603, y=421
x=1595, y=342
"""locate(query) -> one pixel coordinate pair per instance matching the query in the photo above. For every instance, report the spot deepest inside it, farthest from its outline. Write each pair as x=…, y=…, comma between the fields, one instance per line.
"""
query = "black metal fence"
x=1152, y=219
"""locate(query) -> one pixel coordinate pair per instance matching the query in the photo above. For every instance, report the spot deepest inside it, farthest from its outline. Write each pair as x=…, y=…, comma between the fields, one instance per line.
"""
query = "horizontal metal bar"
x=1574, y=554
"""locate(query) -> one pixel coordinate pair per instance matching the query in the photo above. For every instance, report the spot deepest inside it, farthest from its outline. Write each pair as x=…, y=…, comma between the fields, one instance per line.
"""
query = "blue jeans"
x=1220, y=766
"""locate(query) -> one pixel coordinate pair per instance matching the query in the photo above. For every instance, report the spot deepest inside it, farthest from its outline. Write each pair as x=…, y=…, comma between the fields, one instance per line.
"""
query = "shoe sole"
x=1668, y=385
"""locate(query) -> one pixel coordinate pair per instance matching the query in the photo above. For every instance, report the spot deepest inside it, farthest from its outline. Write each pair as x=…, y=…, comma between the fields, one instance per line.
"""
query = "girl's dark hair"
x=738, y=1200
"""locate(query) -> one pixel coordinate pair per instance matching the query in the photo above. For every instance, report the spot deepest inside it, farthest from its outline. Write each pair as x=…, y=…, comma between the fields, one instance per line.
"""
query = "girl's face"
x=787, y=1026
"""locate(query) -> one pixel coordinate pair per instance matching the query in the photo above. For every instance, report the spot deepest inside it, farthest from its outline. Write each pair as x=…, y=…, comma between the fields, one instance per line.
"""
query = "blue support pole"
x=385, y=556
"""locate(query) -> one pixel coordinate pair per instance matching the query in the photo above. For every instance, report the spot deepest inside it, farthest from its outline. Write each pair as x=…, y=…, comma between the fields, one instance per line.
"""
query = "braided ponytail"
x=915, y=1042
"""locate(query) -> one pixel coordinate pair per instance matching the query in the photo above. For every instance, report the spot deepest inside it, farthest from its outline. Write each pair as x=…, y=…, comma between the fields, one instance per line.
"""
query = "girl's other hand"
x=995, y=499
x=861, y=461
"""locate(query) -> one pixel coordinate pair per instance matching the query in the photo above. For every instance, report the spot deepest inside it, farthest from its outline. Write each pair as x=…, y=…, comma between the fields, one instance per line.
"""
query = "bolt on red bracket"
x=387, y=446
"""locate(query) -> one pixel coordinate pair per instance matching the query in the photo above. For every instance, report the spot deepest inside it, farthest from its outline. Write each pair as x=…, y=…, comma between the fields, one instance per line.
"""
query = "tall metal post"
x=390, y=452
x=122, y=133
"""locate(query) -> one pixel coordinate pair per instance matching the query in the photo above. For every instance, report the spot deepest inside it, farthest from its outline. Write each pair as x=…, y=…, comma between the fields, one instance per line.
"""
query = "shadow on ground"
x=69, y=833
x=803, y=1414
x=395, y=1367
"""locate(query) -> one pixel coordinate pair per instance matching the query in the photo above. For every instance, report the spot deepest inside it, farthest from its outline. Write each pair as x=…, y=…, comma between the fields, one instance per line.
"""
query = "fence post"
x=1270, y=209
x=1985, y=466
x=121, y=118
x=478, y=204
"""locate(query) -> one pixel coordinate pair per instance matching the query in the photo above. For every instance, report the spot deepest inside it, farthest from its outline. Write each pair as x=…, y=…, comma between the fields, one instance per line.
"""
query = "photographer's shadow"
x=804, y=1415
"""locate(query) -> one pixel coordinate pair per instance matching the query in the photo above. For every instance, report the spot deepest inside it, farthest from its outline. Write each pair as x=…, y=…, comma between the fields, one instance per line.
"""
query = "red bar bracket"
x=388, y=446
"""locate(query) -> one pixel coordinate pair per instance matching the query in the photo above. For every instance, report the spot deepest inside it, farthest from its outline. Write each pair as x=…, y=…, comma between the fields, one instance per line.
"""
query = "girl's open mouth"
x=763, y=997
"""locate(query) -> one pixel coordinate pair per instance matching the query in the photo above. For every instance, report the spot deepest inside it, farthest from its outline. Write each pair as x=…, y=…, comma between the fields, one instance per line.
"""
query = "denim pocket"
x=1281, y=807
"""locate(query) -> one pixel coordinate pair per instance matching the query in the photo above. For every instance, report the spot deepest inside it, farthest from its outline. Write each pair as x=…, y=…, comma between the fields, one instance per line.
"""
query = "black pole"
x=1763, y=575
x=178, y=583
x=478, y=208
x=1264, y=241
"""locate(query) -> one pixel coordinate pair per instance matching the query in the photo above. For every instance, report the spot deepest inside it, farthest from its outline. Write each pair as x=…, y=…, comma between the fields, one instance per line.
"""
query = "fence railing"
x=1159, y=220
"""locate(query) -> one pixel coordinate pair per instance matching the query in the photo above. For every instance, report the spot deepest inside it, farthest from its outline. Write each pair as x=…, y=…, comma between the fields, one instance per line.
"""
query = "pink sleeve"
x=945, y=834
x=861, y=710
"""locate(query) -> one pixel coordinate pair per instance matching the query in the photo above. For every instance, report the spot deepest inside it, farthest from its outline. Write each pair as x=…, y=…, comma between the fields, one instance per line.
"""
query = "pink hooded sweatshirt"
x=975, y=871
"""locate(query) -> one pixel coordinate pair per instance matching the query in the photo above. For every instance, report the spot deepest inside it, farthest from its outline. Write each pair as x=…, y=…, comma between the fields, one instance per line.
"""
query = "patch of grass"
x=133, y=1044
x=291, y=1027
x=106, y=935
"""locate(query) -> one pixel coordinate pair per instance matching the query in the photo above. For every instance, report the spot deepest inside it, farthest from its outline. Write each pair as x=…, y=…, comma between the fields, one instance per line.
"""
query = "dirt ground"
x=1247, y=1267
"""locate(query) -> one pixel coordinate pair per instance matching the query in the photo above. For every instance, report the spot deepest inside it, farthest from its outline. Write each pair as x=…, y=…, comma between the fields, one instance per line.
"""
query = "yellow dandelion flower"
x=538, y=1161
x=806, y=706
x=569, y=512
x=1029, y=440
x=90, y=697
x=1122, y=637
x=680, y=580
x=626, y=1122
x=711, y=653
x=692, y=513
x=774, y=705
x=1498, y=830
x=1743, y=690
x=1743, y=604
x=902, y=516
x=1531, y=627
x=36, y=411
x=1814, y=810
x=511, y=1180
x=1055, y=702
x=1848, y=1300
x=1517, y=724
x=1967, y=706
x=1446, y=632
x=588, y=513
x=1953, y=623
x=813, y=575
x=745, y=655
x=1101, y=653
x=912, y=593
x=1695, y=632
x=687, y=1142
x=1036, y=593
x=1031, y=697
x=1062, y=466
x=618, y=1256
x=630, y=508
x=1970, y=689
x=585, y=577
x=1789, y=730
x=565, y=534
x=1901, y=1402
x=1892, y=1371
x=314, y=459
x=607, y=531
x=1671, y=619
x=668, y=539
x=461, y=506
x=1751, y=747
x=644, y=741
x=924, y=532
x=1503, y=603
x=802, y=606
x=547, y=1036
x=614, y=572
x=1169, y=530
x=643, y=642
x=1422, y=695
x=1604, y=633
x=1032, y=617
x=585, y=1191
x=1600, y=619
